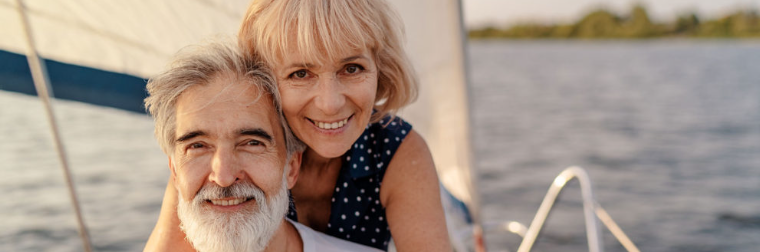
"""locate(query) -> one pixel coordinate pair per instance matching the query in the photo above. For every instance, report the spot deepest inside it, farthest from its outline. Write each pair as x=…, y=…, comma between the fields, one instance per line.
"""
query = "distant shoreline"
x=605, y=25
x=650, y=39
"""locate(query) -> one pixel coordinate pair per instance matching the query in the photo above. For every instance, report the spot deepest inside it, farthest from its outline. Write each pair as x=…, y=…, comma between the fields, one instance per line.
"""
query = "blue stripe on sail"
x=73, y=82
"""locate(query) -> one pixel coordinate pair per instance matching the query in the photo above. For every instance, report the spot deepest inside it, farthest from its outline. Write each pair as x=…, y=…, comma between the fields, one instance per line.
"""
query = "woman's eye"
x=195, y=146
x=300, y=74
x=351, y=69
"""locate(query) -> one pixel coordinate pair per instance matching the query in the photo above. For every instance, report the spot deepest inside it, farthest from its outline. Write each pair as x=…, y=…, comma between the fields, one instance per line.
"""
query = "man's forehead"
x=223, y=88
x=226, y=105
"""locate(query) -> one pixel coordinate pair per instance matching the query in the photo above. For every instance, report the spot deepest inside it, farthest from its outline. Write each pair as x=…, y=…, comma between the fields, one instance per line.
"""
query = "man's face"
x=229, y=164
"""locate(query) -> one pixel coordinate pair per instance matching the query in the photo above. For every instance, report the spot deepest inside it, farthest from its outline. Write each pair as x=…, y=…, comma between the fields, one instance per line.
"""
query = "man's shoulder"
x=314, y=241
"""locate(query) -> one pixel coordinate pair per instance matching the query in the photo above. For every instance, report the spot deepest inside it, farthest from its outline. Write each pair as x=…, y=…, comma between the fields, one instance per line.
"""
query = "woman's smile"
x=330, y=125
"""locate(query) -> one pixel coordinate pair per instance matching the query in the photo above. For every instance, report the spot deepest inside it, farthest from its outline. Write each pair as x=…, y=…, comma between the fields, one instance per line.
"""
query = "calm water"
x=668, y=130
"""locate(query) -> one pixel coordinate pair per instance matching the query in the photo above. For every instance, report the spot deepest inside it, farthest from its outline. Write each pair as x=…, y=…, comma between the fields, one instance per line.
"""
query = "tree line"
x=603, y=24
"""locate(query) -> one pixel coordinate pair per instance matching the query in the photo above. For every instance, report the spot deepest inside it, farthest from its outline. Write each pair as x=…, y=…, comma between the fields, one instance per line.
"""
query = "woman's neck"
x=313, y=162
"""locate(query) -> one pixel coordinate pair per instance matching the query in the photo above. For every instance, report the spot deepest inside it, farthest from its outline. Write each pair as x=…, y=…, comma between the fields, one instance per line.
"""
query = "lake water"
x=668, y=130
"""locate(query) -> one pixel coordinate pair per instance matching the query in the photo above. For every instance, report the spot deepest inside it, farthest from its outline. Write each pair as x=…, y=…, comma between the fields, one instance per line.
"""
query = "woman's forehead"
x=318, y=45
x=320, y=56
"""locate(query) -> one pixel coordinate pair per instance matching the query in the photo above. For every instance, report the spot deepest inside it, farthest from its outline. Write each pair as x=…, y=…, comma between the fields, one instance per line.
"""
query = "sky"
x=506, y=12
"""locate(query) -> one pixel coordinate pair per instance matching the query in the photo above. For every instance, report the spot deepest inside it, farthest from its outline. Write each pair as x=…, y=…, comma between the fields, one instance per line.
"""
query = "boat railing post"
x=592, y=223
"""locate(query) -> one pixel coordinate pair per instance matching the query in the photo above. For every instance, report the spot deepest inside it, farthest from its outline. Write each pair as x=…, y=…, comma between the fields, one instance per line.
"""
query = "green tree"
x=486, y=32
x=638, y=24
x=598, y=24
x=529, y=31
x=563, y=31
x=715, y=28
x=686, y=24
x=744, y=24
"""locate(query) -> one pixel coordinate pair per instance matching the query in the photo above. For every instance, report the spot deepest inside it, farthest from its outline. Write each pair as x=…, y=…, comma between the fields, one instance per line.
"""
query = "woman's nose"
x=224, y=169
x=330, y=96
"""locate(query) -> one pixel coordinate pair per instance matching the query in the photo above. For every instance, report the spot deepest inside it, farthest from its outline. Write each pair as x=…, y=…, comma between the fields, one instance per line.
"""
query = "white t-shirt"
x=314, y=241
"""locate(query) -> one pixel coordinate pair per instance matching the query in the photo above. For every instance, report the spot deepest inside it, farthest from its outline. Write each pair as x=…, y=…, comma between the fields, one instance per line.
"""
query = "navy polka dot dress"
x=357, y=214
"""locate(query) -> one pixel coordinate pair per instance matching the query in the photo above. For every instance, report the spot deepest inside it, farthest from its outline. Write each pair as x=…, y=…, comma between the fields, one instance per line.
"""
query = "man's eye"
x=253, y=143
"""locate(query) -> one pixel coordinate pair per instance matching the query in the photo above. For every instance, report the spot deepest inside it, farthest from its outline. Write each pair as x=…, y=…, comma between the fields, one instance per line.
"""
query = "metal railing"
x=592, y=211
x=592, y=225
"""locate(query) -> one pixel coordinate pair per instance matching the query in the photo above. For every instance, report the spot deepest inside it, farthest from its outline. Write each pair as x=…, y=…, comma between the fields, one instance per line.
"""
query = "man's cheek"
x=189, y=188
x=191, y=174
x=183, y=186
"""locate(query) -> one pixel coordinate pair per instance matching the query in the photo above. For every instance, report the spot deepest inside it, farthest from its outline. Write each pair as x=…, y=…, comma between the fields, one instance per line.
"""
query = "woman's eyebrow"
x=301, y=65
x=352, y=58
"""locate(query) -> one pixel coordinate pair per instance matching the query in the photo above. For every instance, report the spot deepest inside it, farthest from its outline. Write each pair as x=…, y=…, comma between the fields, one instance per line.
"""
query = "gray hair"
x=199, y=65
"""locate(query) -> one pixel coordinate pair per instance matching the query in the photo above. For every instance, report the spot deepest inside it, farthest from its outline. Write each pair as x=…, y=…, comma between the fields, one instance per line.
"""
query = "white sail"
x=132, y=37
x=435, y=43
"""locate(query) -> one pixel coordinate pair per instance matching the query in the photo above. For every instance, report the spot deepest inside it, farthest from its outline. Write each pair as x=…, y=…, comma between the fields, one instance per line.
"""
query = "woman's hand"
x=167, y=236
x=412, y=200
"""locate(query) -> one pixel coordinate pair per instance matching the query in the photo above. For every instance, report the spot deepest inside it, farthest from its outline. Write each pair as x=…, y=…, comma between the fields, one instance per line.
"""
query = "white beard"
x=247, y=230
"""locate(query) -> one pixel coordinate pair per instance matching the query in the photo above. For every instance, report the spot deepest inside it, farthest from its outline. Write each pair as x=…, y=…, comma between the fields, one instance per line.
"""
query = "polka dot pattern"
x=358, y=215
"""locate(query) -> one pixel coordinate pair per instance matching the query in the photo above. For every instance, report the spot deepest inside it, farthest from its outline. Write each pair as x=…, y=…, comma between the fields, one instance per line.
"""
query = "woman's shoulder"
x=390, y=126
x=376, y=147
x=397, y=135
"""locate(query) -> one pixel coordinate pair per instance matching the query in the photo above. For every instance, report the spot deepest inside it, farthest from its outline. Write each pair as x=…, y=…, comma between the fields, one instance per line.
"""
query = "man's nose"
x=224, y=168
x=330, y=97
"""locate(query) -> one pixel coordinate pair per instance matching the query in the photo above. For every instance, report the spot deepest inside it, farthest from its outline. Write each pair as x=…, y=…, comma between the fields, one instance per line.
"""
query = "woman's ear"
x=294, y=168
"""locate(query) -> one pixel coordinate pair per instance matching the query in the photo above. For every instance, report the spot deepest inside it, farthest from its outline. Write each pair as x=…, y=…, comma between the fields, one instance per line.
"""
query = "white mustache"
x=245, y=190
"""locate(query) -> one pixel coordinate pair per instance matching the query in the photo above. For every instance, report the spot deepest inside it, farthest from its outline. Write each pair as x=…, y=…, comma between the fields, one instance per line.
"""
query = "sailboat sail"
x=435, y=43
x=102, y=52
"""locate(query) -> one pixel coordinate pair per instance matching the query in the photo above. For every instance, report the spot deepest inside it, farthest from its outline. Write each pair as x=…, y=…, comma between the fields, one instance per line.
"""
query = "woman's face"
x=328, y=105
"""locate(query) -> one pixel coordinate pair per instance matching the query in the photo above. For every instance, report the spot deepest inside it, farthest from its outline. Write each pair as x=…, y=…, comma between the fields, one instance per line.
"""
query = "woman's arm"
x=166, y=235
x=412, y=200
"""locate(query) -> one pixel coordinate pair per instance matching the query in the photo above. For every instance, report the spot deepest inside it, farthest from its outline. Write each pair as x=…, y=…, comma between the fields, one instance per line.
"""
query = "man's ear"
x=171, y=168
x=294, y=168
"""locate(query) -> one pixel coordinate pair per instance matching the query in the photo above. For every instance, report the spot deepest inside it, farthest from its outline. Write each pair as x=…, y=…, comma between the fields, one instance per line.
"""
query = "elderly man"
x=231, y=154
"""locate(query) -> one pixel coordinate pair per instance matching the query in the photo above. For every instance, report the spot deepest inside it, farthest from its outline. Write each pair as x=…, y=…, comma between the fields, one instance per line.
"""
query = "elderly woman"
x=366, y=175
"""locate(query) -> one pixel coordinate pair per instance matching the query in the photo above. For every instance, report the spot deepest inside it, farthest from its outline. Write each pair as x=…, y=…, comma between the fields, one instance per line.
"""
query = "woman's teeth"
x=335, y=125
x=231, y=202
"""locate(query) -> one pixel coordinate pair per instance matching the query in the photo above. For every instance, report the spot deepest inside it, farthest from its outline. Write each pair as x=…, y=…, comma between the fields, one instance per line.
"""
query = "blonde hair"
x=199, y=65
x=321, y=29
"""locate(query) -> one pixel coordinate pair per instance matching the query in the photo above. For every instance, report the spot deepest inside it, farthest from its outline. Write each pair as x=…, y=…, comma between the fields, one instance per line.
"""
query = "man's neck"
x=286, y=238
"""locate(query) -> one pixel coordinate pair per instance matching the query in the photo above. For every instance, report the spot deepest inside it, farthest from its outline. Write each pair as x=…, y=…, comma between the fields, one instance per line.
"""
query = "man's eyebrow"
x=257, y=132
x=189, y=135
